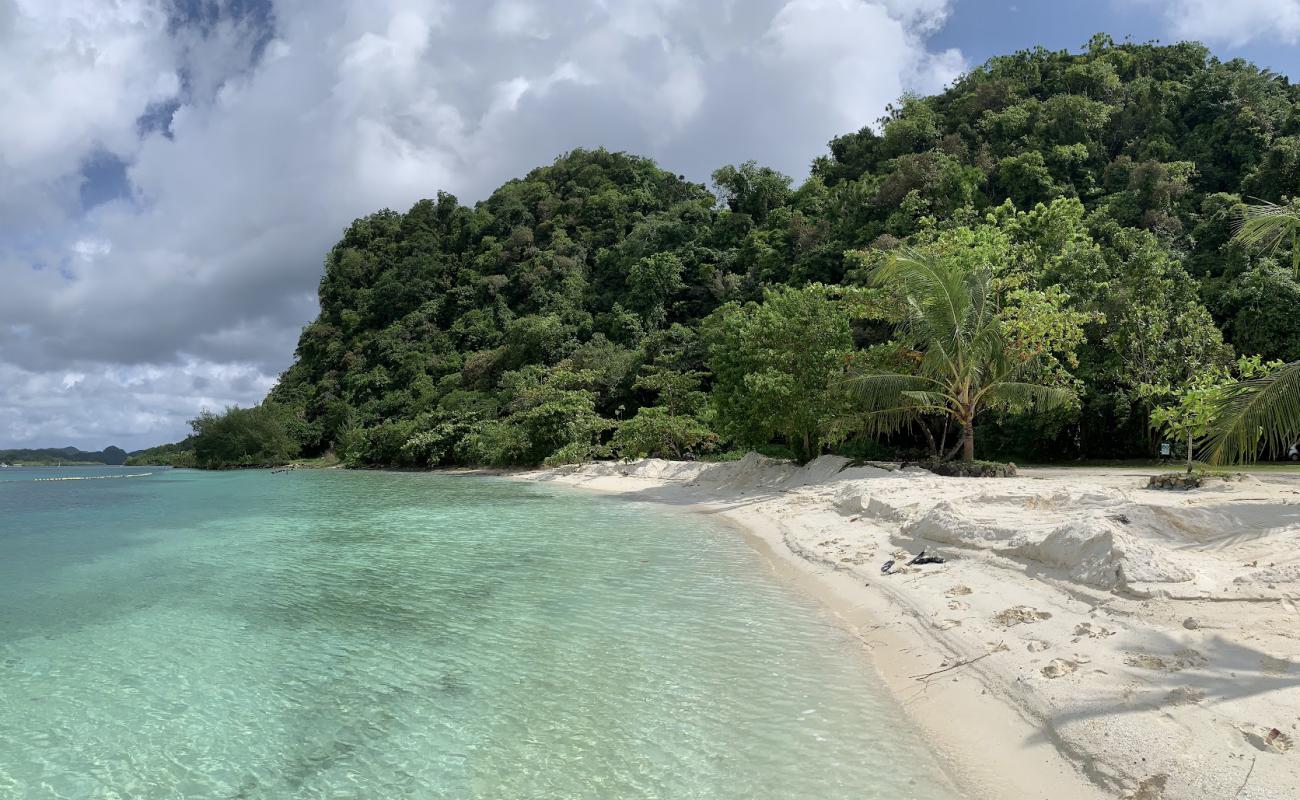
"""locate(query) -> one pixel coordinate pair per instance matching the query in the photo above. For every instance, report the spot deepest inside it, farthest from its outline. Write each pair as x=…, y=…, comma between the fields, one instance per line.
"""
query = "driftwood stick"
x=1249, y=772
x=967, y=662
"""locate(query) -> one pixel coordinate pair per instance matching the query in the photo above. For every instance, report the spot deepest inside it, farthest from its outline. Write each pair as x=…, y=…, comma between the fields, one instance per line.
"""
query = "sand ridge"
x=1137, y=643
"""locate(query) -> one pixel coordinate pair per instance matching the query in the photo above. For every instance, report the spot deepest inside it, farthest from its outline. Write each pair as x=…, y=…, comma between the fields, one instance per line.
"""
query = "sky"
x=172, y=172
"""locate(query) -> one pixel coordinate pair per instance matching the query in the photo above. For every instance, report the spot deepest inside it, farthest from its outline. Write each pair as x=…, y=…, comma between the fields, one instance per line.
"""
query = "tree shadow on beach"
x=1217, y=671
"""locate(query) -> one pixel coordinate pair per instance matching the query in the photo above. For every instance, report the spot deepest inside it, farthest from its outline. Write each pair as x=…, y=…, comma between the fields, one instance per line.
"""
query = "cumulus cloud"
x=1237, y=22
x=250, y=133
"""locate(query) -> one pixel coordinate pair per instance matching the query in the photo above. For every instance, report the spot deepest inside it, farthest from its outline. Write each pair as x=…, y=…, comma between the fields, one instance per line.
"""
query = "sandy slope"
x=1123, y=642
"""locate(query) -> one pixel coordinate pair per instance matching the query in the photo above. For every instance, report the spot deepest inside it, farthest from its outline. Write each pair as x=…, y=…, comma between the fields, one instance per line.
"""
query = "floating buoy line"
x=88, y=478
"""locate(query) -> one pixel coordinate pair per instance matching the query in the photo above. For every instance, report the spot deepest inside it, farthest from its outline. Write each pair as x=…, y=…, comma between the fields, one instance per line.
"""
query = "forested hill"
x=111, y=456
x=603, y=305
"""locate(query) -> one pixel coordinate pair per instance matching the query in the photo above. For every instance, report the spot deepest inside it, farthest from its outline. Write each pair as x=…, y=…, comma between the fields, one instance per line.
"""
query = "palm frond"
x=1260, y=413
x=1265, y=225
x=938, y=302
x=1016, y=394
x=886, y=421
x=885, y=389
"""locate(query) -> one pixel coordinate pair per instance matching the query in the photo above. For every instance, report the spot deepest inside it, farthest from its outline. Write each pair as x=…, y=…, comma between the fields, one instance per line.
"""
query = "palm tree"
x=1267, y=225
x=1254, y=415
x=965, y=364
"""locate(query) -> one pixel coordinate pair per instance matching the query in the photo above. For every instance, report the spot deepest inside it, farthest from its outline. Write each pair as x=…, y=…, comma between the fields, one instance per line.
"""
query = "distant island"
x=66, y=456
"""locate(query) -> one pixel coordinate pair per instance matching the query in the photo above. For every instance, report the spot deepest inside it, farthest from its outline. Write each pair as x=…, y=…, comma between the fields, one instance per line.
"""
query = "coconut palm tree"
x=964, y=363
x=1257, y=415
x=1262, y=414
x=1267, y=226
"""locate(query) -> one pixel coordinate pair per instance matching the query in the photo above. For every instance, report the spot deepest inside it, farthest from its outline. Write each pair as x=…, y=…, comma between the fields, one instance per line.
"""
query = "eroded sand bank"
x=1087, y=637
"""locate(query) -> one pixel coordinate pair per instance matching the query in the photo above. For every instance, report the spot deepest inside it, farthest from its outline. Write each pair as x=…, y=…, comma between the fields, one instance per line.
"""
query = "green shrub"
x=655, y=432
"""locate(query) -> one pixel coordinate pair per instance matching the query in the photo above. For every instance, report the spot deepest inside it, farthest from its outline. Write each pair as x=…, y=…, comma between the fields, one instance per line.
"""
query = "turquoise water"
x=331, y=634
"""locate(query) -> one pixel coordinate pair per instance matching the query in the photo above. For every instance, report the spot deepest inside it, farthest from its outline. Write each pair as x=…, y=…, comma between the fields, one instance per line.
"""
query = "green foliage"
x=243, y=437
x=1269, y=226
x=178, y=454
x=548, y=413
x=777, y=367
x=962, y=361
x=656, y=432
x=1191, y=410
x=1257, y=415
x=48, y=456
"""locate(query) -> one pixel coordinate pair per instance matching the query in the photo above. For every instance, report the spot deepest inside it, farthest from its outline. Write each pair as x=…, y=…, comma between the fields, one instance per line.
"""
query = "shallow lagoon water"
x=335, y=634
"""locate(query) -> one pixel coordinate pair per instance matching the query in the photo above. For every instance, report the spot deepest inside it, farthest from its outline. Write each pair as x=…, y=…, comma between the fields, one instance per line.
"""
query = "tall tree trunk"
x=967, y=442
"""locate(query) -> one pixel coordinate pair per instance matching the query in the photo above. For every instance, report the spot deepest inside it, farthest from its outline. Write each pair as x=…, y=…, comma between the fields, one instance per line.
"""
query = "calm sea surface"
x=369, y=635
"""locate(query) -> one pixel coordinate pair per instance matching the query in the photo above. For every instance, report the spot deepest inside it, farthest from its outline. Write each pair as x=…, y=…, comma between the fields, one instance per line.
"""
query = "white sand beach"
x=1085, y=637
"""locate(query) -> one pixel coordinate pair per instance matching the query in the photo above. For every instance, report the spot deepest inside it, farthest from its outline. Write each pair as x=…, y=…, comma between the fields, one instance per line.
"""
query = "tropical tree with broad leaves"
x=963, y=361
x=1261, y=415
x=1257, y=416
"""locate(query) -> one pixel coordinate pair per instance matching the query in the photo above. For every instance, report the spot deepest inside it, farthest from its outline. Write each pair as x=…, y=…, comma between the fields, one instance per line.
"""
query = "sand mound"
x=1100, y=554
x=759, y=473
x=1094, y=550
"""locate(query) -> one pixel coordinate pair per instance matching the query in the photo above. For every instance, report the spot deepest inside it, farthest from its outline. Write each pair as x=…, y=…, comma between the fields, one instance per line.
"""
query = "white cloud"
x=518, y=18
x=190, y=290
x=74, y=75
x=1236, y=22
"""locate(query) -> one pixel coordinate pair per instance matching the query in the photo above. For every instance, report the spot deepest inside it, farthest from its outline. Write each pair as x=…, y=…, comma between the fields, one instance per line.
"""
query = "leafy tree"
x=1258, y=309
x=1191, y=415
x=963, y=363
x=546, y=412
x=657, y=432
x=243, y=437
x=751, y=189
x=777, y=367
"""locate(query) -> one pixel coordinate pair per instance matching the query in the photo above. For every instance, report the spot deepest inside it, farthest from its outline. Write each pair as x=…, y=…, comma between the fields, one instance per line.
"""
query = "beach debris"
x=958, y=591
x=922, y=558
x=1246, y=780
x=967, y=662
x=1120, y=518
x=887, y=566
x=1152, y=788
x=969, y=469
x=1270, y=740
x=1191, y=623
x=1177, y=481
x=1092, y=631
x=1058, y=668
x=1020, y=615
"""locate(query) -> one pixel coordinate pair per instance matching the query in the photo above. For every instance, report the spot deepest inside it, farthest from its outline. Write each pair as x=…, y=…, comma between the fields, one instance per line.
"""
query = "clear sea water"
x=333, y=634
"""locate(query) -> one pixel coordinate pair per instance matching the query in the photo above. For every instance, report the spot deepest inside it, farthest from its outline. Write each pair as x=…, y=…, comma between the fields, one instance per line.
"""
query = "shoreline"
x=1028, y=705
